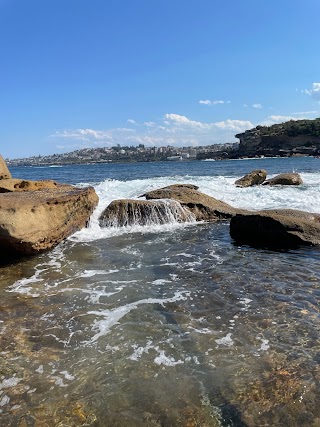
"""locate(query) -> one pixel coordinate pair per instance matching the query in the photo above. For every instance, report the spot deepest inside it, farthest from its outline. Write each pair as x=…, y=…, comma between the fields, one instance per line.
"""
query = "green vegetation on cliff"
x=291, y=128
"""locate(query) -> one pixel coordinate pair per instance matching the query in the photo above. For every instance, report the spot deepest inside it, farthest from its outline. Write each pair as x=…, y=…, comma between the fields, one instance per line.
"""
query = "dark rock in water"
x=255, y=177
x=4, y=171
x=282, y=228
x=202, y=206
x=285, y=179
x=35, y=221
x=128, y=212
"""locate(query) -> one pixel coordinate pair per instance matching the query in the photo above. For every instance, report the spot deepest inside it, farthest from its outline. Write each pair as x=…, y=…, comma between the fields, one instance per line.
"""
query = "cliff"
x=300, y=137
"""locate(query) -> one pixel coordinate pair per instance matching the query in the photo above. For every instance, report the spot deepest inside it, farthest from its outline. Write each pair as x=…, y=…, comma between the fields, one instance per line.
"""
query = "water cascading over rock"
x=127, y=212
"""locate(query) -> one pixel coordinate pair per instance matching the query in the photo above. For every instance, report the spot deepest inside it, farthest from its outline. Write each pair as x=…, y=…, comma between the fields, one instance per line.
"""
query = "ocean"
x=164, y=325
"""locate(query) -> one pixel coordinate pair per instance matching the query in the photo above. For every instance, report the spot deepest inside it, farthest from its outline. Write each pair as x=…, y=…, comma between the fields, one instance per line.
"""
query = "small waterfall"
x=122, y=213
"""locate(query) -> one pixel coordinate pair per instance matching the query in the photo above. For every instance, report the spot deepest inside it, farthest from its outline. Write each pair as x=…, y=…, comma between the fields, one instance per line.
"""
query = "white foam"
x=226, y=341
x=9, y=382
x=139, y=351
x=305, y=197
x=112, y=317
x=162, y=359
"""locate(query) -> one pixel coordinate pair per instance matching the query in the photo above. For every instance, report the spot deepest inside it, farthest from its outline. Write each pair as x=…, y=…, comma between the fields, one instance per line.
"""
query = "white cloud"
x=258, y=106
x=173, y=129
x=133, y=122
x=314, y=91
x=183, y=120
x=236, y=125
x=213, y=102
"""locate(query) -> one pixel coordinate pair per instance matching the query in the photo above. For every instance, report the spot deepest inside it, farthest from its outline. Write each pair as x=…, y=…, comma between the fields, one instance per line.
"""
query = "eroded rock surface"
x=285, y=179
x=34, y=221
x=4, y=171
x=202, y=206
x=256, y=177
x=10, y=185
x=281, y=228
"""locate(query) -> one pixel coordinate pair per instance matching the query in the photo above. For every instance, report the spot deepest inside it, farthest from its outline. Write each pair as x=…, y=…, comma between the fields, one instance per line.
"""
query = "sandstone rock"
x=176, y=187
x=4, y=171
x=285, y=179
x=10, y=185
x=202, y=206
x=281, y=228
x=34, y=221
x=255, y=177
x=126, y=212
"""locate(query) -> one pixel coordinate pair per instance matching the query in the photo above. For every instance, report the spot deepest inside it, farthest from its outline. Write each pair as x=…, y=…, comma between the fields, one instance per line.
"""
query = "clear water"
x=164, y=325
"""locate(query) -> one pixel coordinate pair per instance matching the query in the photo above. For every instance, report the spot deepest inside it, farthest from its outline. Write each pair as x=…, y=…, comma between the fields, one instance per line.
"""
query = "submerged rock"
x=202, y=206
x=35, y=221
x=255, y=177
x=285, y=179
x=128, y=212
x=282, y=228
x=4, y=171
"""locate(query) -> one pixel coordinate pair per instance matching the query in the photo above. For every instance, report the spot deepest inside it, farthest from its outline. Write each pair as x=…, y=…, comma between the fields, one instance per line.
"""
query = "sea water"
x=164, y=325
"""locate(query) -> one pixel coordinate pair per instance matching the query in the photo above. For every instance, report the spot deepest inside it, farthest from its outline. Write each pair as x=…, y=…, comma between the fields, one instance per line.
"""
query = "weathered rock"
x=255, y=177
x=281, y=228
x=4, y=171
x=10, y=185
x=34, y=221
x=285, y=179
x=127, y=212
x=176, y=187
x=202, y=206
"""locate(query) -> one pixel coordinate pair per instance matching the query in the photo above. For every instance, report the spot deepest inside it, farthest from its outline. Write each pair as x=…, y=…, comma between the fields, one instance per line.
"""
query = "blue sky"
x=80, y=73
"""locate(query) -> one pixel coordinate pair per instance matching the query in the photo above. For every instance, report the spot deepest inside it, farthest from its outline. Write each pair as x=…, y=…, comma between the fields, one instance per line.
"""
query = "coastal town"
x=291, y=138
x=122, y=154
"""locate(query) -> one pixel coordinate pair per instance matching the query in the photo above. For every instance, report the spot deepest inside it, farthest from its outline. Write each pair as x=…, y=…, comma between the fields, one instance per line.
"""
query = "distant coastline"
x=294, y=138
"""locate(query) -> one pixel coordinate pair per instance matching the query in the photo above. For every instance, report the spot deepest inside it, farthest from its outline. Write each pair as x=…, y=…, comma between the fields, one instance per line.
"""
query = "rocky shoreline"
x=37, y=215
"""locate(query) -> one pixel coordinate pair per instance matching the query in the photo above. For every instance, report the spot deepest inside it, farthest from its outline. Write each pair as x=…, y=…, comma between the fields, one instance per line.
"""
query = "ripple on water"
x=182, y=328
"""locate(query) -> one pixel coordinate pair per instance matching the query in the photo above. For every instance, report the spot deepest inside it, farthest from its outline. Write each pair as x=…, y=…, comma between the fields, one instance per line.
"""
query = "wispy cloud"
x=257, y=106
x=306, y=113
x=314, y=91
x=213, y=102
x=131, y=121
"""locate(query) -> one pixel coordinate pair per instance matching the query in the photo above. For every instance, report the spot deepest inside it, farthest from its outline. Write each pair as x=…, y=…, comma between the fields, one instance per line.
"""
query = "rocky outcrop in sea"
x=37, y=215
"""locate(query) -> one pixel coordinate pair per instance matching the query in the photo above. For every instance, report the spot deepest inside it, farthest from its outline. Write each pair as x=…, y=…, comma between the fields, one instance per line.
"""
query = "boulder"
x=10, y=185
x=285, y=179
x=281, y=228
x=255, y=177
x=202, y=206
x=35, y=221
x=4, y=171
x=126, y=212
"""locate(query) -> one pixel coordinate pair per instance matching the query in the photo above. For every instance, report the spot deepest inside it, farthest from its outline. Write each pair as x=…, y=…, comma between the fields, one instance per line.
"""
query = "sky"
x=80, y=73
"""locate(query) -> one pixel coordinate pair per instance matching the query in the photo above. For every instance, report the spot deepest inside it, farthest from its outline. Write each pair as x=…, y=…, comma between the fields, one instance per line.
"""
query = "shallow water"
x=166, y=325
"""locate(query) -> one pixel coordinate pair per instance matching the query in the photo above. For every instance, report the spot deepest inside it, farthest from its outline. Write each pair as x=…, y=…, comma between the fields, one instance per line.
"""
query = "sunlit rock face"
x=202, y=206
x=256, y=177
x=35, y=221
x=4, y=171
x=285, y=179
